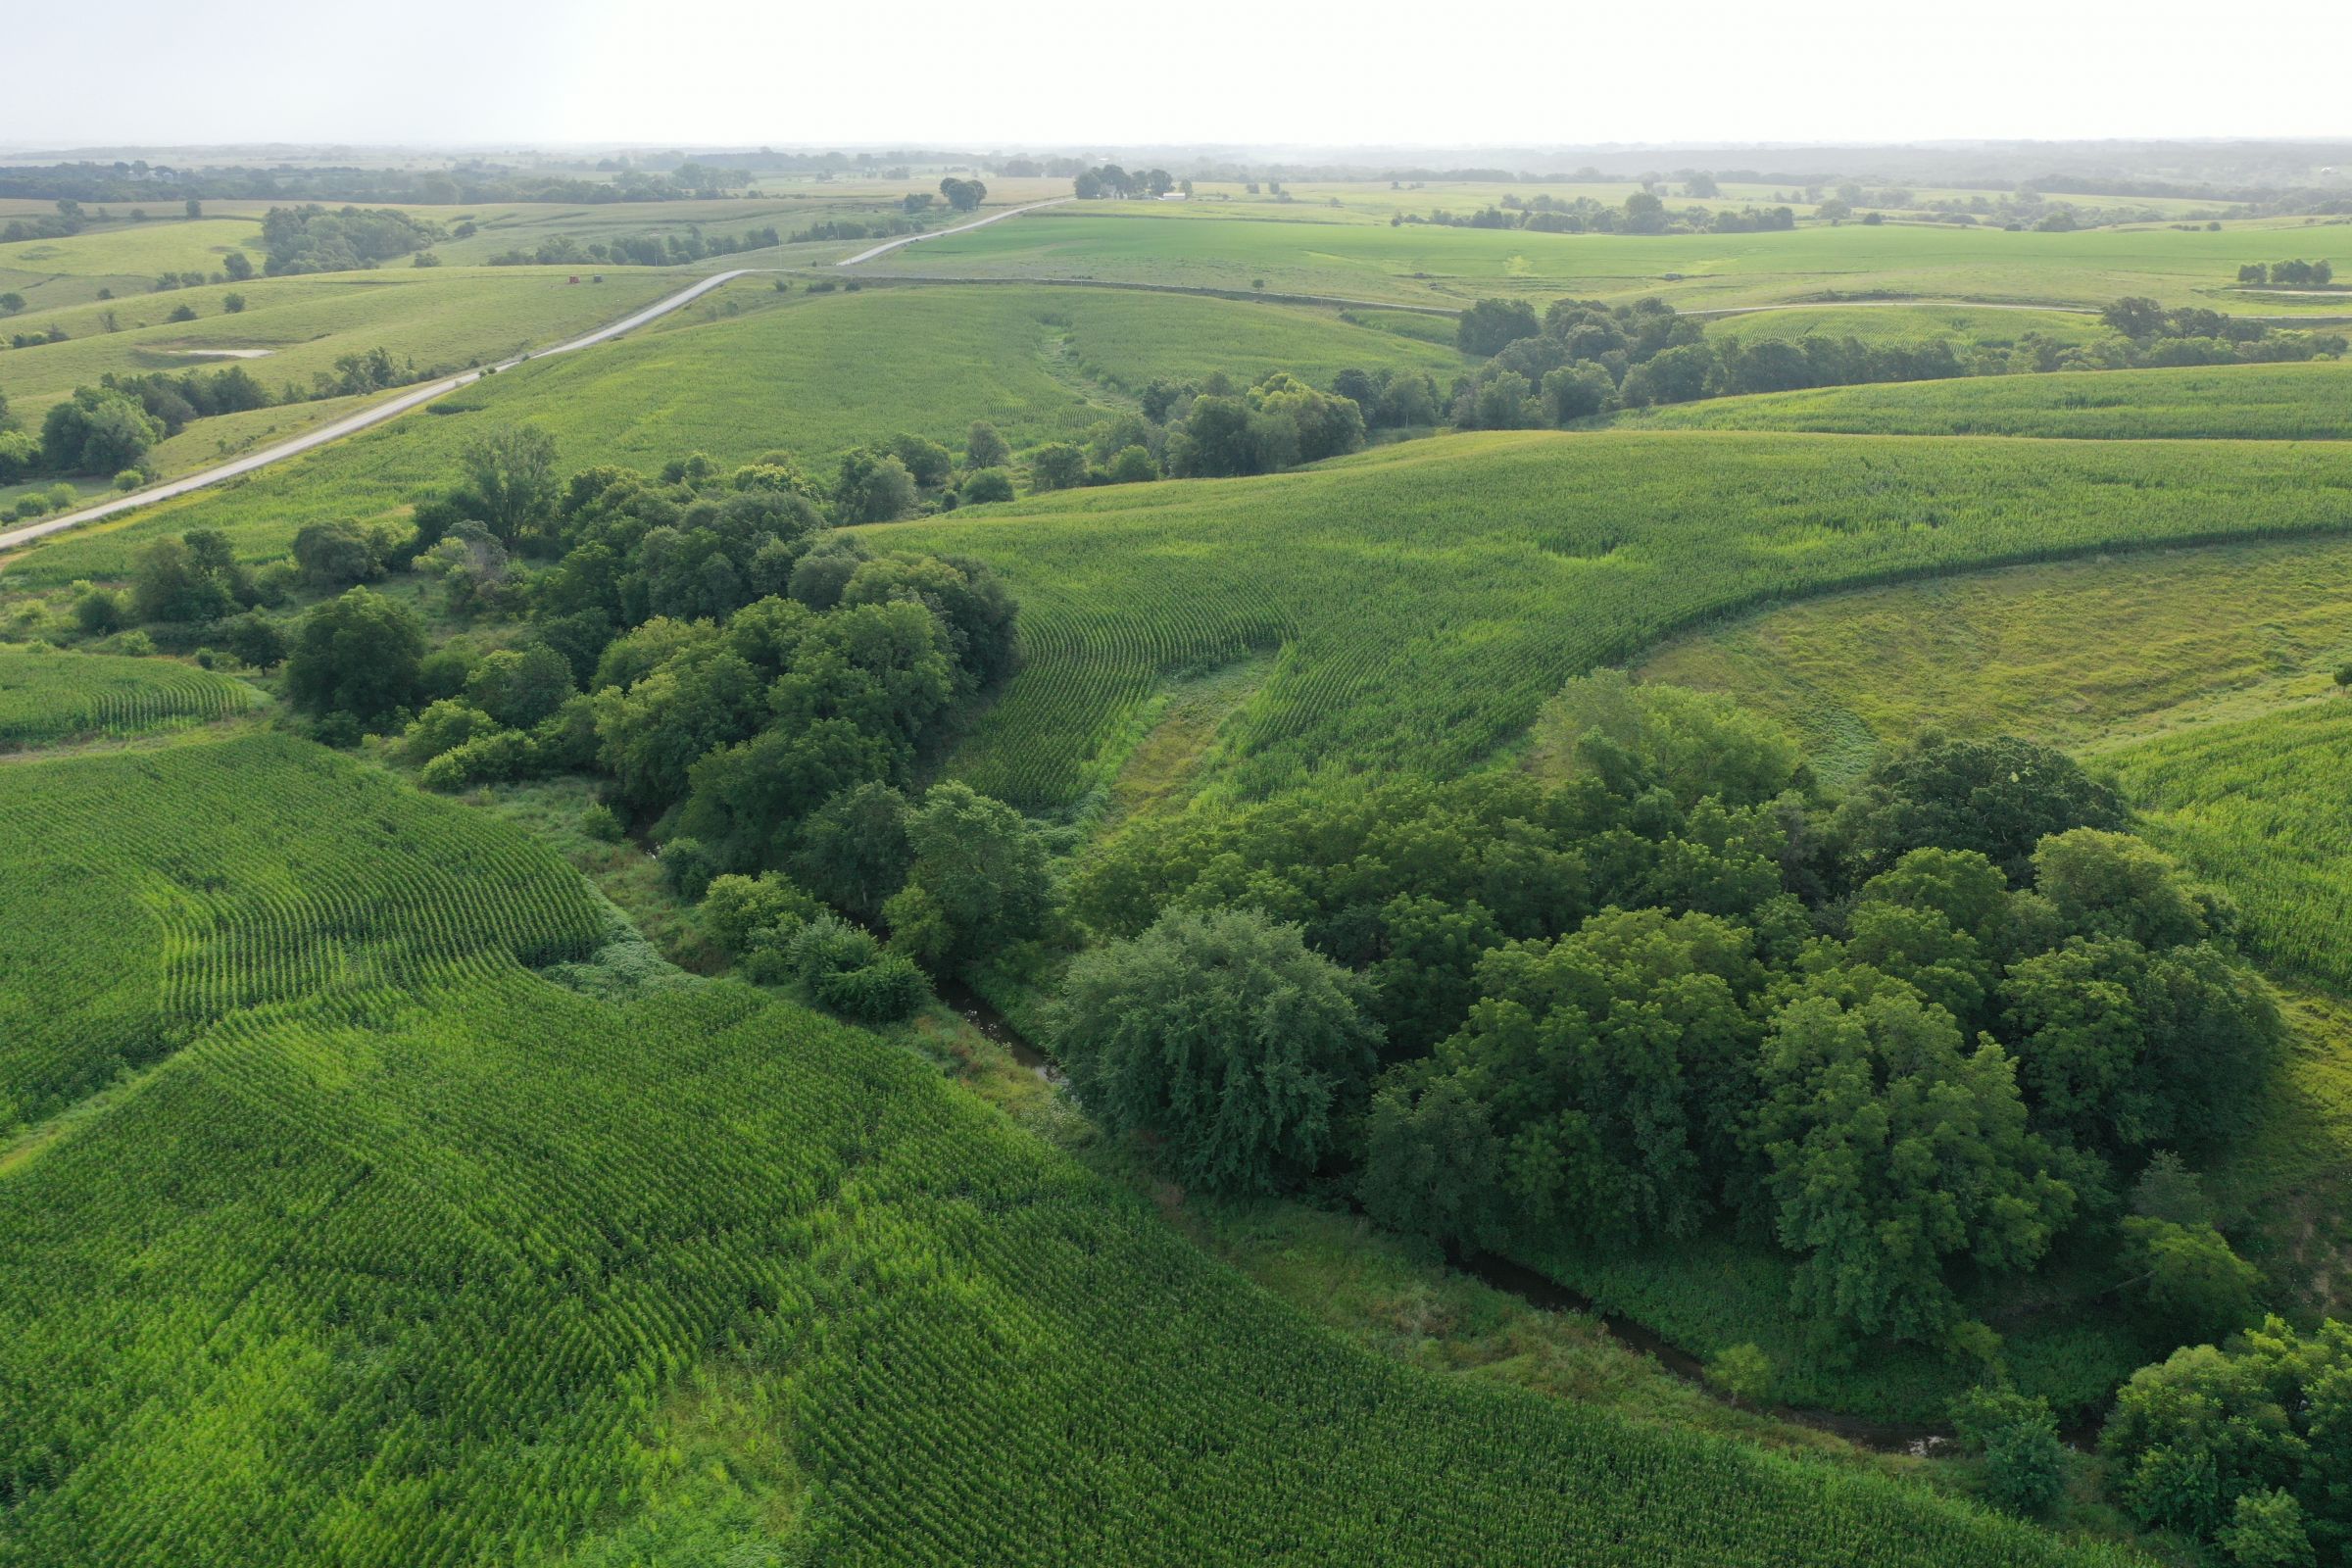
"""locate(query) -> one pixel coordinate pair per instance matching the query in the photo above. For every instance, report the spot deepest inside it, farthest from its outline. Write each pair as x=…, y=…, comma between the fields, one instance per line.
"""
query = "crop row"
x=154, y=892
x=47, y=696
x=404, y=1276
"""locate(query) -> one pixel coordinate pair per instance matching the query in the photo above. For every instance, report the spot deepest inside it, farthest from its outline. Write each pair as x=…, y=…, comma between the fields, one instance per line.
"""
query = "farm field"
x=264, y=1236
x=261, y=869
x=2299, y=402
x=47, y=696
x=1423, y=601
x=436, y=319
x=812, y=375
x=1960, y=325
x=1334, y=254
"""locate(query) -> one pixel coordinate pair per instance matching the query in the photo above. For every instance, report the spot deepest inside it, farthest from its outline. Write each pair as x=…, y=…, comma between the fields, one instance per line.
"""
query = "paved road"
x=942, y=234
x=376, y=414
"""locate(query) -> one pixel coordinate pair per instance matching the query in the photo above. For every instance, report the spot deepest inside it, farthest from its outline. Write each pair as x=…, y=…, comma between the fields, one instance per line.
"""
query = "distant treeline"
x=642, y=249
x=440, y=187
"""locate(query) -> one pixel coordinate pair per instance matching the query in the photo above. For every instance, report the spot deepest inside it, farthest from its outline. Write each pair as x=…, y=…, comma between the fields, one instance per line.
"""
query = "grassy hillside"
x=2240, y=402
x=1425, y=600
x=49, y=696
x=1962, y=326
x=2078, y=652
x=165, y=889
x=470, y=1267
x=1304, y=249
x=813, y=376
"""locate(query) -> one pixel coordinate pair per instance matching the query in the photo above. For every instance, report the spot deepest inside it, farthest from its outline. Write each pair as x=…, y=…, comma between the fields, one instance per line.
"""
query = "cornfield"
x=47, y=697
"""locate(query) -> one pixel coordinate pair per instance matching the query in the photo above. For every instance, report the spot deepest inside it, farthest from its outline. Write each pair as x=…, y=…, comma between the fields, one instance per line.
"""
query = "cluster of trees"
x=964, y=195
x=312, y=239
x=1109, y=181
x=2155, y=336
x=2245, y=1447
x=2296, y=274
x=1642, y=213
x=642, y=249
x=68, y=220
x=1917, y=1038
x=887, y=226
x=1582, y=359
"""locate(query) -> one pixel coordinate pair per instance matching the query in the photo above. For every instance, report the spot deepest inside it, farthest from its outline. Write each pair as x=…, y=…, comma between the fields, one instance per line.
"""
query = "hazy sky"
x=1330, y=72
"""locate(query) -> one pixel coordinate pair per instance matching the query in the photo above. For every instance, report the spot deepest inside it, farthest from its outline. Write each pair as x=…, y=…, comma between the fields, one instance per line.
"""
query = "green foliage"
x=1740, y=1373
x=1490, y=327
x=853, y=850
x=2025, y=1463
x=2200, y=1432
x=976, y=878
x=848, y=971
x=984, y=448
x=97, y=430
x=2268, y=1530
x=738, y=911
x=983, y=485
x=1225, y=1036
x=357, y=655
x=2001, y=798
x=2189, y=1284
x=520, y=687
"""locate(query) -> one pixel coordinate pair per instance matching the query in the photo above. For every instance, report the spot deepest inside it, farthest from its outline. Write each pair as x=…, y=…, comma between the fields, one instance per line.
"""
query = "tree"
x=738, y=911
x=983, y=448
x=232, y=303
x=518, y=688
x=2135, y=316
x=1224, y=1036
x=2266, y=1530
x=254, y=641
x=356, y=655
x=1644, y=214
x=2025, y=1463
x=237, y=266
x=1490, y=327
x=10, y=303
x=985, y=486
x=964, y=195
x=168, y=583
x=2190, y=1284
x=1741, y=1373
x=1057, y=466
x=930, y=462
x=97, y=430
x=99, y=613
x=511, y=480
x=338, y=554
x=1576, y=392
x=195, y=208
x=873, y=487
x=977, y=880
x=2000, y=797
x=1132, y=465
x=854, y=851
x=1891, y=1148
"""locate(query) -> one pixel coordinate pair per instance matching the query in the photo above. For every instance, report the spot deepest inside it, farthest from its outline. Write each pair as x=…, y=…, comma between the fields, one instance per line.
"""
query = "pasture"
x=450, y=1266
x=1421, y=602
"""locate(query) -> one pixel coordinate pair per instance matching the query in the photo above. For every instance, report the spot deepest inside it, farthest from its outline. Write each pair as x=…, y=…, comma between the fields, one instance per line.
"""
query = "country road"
x=942, y=234
x=418, y=396
x=353, y=424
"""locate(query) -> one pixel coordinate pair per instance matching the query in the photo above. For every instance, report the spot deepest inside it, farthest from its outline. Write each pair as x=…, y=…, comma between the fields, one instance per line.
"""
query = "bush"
x=737, y=909
x=99, y=613
x=129, y=480
x=995, y=484
x=500, y=758
x=600, y=824
x=689, y=868
x=1133, y=466
x=443, y=726
x=2025, y=1463
x=848, y=971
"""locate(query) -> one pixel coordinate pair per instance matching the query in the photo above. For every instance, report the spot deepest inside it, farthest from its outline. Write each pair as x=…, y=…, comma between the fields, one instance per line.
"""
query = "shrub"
x=129, y=480
x=736, y=908
x=500, y=758
x=601, y=824
x=846, y=971
x=995, y=484
x=689, y=866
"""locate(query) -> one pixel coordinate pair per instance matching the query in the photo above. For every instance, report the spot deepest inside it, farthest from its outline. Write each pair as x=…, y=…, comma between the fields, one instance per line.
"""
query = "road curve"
x=942, y=234
x=376, y=414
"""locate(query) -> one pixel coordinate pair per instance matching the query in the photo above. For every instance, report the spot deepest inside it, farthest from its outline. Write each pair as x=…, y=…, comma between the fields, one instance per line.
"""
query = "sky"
x=1054, y=73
